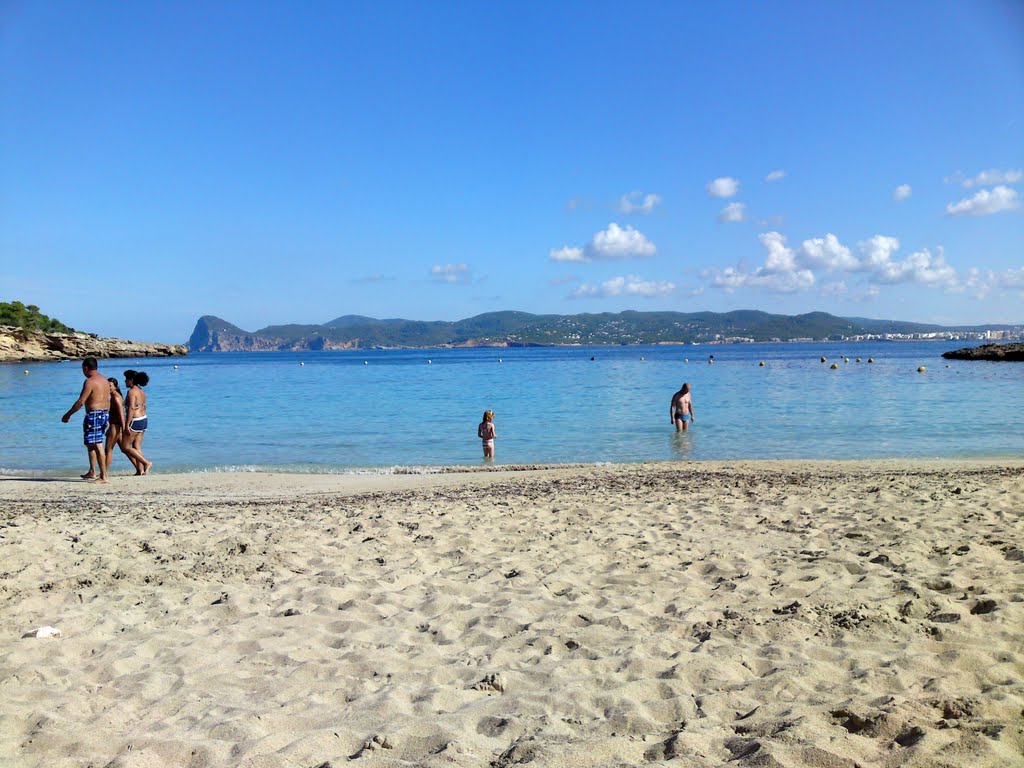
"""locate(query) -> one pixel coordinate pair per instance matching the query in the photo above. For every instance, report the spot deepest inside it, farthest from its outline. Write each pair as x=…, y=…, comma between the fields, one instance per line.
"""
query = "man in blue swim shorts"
x=96, y=399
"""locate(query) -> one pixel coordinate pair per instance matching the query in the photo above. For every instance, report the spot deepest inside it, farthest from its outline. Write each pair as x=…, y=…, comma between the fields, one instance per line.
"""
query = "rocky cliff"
x=212, y=334
x=1000, y=352
x=20, y=344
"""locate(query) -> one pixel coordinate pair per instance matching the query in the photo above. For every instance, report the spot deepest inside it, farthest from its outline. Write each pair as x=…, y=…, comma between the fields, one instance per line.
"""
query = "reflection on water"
x=682, y=443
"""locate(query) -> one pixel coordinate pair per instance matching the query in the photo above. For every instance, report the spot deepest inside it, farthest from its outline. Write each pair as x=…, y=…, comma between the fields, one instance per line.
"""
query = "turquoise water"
x=265, y=410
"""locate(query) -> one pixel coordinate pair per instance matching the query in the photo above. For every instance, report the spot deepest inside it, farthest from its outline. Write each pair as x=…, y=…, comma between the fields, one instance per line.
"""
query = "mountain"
x=509, y=328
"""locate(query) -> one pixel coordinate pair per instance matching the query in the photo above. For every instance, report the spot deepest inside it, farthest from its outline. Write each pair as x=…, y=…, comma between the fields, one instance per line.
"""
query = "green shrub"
x=28, y=316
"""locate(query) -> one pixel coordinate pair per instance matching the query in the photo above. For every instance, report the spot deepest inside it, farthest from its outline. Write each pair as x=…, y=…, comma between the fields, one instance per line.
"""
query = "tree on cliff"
x=21, y=316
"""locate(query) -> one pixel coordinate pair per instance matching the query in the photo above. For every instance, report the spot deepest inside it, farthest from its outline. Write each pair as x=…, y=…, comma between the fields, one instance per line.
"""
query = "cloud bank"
x=790, y=270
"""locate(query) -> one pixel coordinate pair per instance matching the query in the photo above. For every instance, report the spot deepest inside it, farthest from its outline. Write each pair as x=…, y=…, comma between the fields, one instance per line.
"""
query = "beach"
x=777, y=613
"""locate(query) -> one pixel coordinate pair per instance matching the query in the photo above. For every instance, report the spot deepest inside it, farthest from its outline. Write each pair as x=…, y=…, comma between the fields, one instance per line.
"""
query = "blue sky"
x=292, y=162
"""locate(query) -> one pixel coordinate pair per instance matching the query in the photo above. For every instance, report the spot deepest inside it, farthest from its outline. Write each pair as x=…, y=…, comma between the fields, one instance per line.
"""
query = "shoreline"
x=936, y=463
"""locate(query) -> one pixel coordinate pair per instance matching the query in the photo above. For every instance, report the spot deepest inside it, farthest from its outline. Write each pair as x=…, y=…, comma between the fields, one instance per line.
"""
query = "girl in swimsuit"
x=116, y=426
x=137, y=421
x=487, y=433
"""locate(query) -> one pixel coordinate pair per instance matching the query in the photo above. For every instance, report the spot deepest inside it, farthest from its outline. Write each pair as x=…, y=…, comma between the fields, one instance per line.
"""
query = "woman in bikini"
x=116, y=426
x=136, y=421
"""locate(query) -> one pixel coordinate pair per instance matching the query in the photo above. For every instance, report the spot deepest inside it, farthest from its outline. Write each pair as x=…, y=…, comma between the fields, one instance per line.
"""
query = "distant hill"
x=509, y=328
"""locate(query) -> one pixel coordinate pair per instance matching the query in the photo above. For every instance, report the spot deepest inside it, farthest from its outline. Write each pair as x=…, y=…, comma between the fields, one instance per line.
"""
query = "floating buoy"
x=641, y=359
x=175, y=367
x=846, y=359
x=301, y=363
x=500, y=360
x=26, y=373
x=365, y=363
x=834, y=367
x=858, y=359
x=711, y=361
x=686, y=359
x=823, y=360
x=430, y=362
x=871, y=359
x=921, y=369
x=947, y=365
x=761, y=364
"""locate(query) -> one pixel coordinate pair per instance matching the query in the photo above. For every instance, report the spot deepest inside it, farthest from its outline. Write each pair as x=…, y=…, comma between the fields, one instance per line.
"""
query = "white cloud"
x=612, y=244
x=994, y=176
x=780, y=256
x=877, y=252
x=451, y=274
x=980, y=284
x=637, y=202
x=1012, y=278
x=779, y=274
x=733, y=212
x=630, y=285
x=985, y=202
x=724, y=186
x=919, y=267
x=902, y=192
x=827, y=253
x=619, y=243
x=566, y=253
x=775, y=176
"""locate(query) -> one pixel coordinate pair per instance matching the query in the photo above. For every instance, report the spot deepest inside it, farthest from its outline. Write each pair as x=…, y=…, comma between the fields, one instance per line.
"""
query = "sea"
x=415, y=410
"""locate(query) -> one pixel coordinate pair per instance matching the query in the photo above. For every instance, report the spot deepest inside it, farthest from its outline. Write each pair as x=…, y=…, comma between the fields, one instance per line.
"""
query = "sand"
x=748, y=614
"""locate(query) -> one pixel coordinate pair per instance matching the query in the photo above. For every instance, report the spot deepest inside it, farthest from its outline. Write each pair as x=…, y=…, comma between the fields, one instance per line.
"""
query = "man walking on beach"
x=96, y=399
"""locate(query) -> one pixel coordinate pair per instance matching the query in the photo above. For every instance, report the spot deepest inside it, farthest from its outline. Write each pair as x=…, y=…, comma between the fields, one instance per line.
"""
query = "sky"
x=271, y=162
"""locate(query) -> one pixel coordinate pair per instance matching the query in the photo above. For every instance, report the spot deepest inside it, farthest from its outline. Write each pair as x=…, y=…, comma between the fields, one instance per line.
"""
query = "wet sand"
x=743, y=613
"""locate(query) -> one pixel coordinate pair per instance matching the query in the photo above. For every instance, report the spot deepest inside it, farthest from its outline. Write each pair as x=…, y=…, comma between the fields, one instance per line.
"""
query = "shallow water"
x=334, y=413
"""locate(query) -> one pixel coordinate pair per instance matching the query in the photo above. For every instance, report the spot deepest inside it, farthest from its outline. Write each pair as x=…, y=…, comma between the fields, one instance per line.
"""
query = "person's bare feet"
x=88, y=476
x=144, y=469
x=98, y=480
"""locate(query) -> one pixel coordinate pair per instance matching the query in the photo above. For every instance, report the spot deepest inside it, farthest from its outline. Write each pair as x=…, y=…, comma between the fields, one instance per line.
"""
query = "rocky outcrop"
x=212, y=334
x=20, y=344
x=1000, y=352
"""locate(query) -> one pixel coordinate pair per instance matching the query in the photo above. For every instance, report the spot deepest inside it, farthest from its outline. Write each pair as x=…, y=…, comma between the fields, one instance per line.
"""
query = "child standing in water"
x=487, y=433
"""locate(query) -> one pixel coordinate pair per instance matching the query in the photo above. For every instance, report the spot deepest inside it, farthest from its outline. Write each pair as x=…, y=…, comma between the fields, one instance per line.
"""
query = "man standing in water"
x=96, y=399
x=681, y=409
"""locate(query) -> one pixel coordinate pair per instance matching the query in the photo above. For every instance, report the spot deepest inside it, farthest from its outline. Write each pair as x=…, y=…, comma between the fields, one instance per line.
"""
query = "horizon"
x=434, y=161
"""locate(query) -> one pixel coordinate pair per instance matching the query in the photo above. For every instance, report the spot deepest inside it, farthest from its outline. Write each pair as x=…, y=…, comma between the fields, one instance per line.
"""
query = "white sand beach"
x=745, y=613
